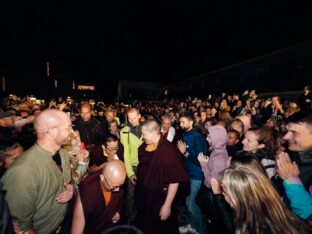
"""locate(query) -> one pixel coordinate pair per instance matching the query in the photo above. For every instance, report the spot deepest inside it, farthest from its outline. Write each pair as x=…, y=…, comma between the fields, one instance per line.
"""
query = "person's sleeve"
x=101, y=133
x=266, y=113
x=171, y=134
x=200, y=146
x=127, y=160
x=206, y=172
x=217, y=165
x=117, y=120
x=82, y=168
x=93, y=157
x=120, y=152
x=173, y=168
x=224, y=214
x=21, y=195
x=120, y=207
x=300, y=199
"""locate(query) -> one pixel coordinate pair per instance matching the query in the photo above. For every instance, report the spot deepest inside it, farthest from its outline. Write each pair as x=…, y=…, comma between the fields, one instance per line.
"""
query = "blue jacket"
x=300, y=199
x=195, y=143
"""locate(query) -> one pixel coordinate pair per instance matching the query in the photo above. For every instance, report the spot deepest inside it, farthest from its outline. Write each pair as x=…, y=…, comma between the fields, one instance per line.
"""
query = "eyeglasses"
x=111, y=188
x=112, y=149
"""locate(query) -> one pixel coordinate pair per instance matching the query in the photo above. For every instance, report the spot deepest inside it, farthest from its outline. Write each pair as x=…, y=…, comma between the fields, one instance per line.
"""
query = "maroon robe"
x=98, y=216
x=97, y=156
x=156, y=170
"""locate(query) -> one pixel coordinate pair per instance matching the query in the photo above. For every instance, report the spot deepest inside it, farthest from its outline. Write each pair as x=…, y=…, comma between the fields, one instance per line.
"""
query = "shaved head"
x=86, y=111
x=48, y=119
x=53, y=128
x=133, y=116
x=133, y=110
x=113, y=175
x=151, y=132
x=115, y=172
x=151, y=126
x=86, y=105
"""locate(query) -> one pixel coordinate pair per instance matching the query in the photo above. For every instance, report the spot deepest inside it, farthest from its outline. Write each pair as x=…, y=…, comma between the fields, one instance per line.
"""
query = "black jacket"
x=224, y=215
x=91, y=132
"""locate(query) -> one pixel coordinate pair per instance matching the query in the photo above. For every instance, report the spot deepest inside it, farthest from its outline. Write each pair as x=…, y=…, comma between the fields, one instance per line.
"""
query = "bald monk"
x=37, y=191
x=98, y=205
x=160, y=172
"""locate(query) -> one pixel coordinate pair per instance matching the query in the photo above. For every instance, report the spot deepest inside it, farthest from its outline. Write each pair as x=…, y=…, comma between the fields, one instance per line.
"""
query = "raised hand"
x=203, y=159
x=181, y=146
x=285, y=167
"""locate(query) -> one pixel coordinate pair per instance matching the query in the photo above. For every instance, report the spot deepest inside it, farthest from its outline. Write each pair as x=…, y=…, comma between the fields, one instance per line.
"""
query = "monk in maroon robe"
x=159, y=173
x=100, y=198
x=111, y=149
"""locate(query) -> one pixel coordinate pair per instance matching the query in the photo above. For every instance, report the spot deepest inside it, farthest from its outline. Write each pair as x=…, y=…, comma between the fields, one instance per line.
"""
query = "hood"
x=218, y=137
x=246, y=120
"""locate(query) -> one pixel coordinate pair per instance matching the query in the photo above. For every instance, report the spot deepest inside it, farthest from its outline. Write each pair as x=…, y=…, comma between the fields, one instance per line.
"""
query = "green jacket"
x=131, y=143
x=32, y=185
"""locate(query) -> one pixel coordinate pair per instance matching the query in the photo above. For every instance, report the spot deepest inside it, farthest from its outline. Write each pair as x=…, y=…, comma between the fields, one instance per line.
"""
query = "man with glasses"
x=100, y=199
x=111, y=149
x=37, y=191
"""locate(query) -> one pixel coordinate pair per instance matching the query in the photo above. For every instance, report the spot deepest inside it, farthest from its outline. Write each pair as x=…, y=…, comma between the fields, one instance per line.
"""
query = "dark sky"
x=164, y=42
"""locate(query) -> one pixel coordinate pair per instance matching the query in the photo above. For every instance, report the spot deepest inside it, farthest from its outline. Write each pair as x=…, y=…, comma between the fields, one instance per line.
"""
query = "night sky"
x=163, y=42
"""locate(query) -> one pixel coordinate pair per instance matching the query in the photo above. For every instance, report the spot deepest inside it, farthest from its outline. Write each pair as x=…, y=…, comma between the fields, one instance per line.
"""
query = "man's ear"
x=260, y=146
x=237, y=140
x=52, y=132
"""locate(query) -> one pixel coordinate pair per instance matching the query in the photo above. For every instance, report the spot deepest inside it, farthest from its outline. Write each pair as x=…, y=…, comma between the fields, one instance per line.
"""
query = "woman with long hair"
x=256, y=205
x=248, y=160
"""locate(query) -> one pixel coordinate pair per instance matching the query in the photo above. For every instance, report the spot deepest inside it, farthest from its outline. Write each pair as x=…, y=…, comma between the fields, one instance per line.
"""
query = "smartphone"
x=82, y=147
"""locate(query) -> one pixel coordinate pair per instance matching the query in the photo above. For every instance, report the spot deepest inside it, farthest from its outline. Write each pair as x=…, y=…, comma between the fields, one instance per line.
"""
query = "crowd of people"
x=233, y=163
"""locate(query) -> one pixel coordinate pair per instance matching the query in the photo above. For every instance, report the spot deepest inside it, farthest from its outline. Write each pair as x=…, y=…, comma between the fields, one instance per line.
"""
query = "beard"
x=66, y=141
x=184, y=129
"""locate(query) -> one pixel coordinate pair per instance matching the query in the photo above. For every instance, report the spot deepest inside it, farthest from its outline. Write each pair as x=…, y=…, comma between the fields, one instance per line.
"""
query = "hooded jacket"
x=246, y=120
x=219, y=156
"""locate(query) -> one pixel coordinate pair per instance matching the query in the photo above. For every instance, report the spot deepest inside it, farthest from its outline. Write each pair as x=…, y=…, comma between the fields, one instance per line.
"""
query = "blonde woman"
x=256, y=205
